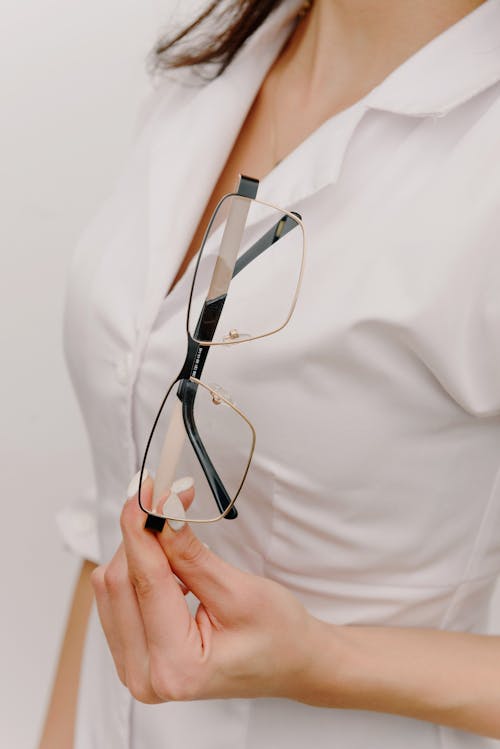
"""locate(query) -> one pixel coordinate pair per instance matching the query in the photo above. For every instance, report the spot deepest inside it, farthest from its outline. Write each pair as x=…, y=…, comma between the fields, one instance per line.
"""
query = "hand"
x=250, y=636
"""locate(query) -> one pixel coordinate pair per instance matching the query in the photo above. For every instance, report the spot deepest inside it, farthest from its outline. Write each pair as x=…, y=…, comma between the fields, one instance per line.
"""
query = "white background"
x=72, y=76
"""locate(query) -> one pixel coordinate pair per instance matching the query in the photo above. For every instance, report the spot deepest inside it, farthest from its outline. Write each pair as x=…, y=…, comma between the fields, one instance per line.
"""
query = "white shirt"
x=374, y=493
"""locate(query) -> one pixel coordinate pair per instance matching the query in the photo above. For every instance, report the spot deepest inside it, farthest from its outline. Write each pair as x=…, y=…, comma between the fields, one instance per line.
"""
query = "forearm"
x=450, y=678
x=59, y=723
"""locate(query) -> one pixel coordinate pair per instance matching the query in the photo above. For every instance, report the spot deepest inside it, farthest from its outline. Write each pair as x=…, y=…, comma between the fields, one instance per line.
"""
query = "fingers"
x=119, y=589
x=179, y=498
x=107, y=619
x=212, y=580
x=184, y=488
x=122, y=623
x=185, y=495
x=167, y=621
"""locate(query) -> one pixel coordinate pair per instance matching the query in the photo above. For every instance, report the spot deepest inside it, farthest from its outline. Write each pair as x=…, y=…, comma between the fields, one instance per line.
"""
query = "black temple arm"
x=220, y=494
x=281, y=227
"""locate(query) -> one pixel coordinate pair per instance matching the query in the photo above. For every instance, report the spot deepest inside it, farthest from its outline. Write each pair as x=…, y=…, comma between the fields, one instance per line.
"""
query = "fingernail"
x=182, y=485
x=174, y=506
x=133, y=487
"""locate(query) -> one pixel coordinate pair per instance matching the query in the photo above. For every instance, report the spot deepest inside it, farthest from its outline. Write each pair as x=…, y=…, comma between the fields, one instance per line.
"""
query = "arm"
x=252, y=638
x=451, y=678
x=60, y=719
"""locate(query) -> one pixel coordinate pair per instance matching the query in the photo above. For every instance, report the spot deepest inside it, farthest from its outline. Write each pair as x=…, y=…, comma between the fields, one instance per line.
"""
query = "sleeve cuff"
x=77, y=525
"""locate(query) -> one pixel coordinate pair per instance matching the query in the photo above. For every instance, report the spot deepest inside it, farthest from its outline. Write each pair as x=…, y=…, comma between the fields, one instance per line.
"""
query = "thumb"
x=182, y=489
x=176, y=501
x=213, y=581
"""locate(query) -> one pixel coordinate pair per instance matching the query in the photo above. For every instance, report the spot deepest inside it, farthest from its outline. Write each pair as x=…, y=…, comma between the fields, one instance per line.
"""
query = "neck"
x=343, y=48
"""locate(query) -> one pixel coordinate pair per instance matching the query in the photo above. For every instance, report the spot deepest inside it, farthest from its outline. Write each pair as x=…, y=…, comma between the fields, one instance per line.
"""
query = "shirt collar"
x=449, y=70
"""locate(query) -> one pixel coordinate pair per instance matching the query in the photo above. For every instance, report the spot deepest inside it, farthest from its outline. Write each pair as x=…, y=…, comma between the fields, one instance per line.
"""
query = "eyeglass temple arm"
x=205, y=330
x=186, y=393
x=281, y=227
x=222, y=499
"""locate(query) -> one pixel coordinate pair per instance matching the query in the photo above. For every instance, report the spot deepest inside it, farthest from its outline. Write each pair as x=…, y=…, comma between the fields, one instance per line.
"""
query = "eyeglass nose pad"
x=234, y=335
x=219, y=393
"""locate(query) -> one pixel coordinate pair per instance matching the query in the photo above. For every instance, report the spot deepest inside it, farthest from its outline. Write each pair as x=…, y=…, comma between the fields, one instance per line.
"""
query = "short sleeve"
x=77, y=525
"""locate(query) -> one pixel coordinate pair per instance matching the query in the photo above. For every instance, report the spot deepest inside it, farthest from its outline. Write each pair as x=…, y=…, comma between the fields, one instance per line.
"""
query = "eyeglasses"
x=245, y=286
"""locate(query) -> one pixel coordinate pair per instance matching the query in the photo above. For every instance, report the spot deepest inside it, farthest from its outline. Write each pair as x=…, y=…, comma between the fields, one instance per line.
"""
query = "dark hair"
x=193, y=46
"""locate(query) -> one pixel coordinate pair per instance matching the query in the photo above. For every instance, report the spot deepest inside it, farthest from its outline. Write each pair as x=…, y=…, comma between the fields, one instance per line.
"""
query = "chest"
x=251, y=154
x=382, y=246
x=271, y=131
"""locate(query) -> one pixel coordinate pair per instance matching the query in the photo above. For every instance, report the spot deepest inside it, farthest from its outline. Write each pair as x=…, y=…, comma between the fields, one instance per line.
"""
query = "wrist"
x=322, y=667
x=448, y=678
x=340, y=670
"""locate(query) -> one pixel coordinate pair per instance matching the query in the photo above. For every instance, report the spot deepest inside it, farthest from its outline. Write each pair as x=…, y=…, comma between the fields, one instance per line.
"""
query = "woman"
x=352, y=593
